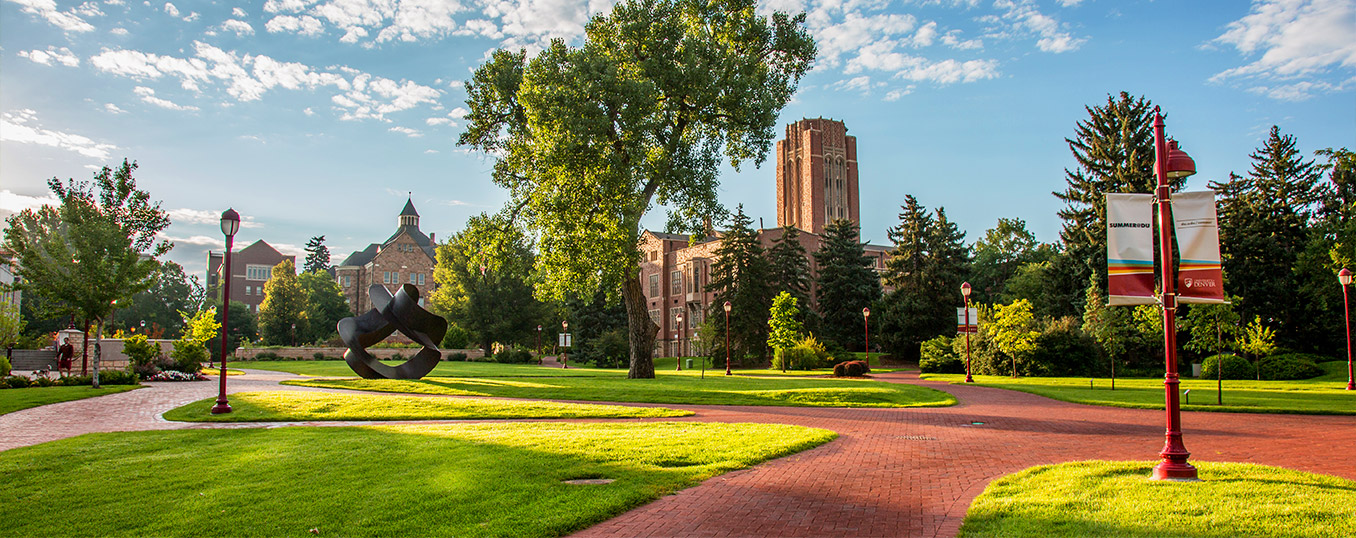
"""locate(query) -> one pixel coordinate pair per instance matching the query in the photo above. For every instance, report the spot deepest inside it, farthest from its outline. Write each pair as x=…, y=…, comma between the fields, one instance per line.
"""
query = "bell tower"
x=816, y=175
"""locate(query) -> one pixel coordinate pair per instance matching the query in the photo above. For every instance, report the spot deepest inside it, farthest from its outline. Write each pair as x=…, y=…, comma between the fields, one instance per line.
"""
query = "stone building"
x=251, y=268
x=407, y=257
x=816, y=184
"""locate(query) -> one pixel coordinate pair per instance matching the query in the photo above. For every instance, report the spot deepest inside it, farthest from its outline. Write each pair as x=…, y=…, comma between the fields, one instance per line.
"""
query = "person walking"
x=65, y=357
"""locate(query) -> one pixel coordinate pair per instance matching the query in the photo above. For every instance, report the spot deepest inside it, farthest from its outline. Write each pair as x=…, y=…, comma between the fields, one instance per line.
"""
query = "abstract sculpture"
x=389, y=314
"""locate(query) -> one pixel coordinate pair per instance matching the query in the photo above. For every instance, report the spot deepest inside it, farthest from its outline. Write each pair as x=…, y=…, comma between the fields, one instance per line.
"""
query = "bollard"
x=1186, y=396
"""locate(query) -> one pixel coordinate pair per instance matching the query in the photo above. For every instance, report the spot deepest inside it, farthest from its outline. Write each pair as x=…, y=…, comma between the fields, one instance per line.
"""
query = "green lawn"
x=1318, y=396
x=666, y=388
x=292, y=405
x=12, y=400
x=461, y=480
x=217, y=371
x=445, y=368
x=1117, y=499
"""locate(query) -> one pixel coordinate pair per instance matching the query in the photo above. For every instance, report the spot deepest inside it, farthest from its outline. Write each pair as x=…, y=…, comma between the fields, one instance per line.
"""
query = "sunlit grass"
x=292, y=405
x=217, y=371
x=424, y=480
x=1318, y=396
x=445, y=368
x=1117, y=499
x=12, y=400
x=666, y=388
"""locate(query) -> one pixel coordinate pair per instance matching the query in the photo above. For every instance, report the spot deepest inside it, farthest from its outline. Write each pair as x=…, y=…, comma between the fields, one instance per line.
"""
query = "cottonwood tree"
x=484, y=276
x=282, y=315
x=325, y=305
x=160, y=305
x=588, y=139
x=97, y=247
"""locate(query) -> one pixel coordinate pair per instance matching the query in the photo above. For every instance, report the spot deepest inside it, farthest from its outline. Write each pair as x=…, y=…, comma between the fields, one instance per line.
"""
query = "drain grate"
x=589, y=481
x=917, y=438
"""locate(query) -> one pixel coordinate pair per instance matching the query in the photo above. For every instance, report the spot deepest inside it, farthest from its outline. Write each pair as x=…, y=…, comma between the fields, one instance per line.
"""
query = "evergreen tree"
x=325, y=306
x=791, y=268
x=282, y=315
x=601, y=334
x=1264, y=219
x=1114, y=149
x=846, y=284
x=1331, y=245
x=741, y=275
x=926, y=272
x=317, y=255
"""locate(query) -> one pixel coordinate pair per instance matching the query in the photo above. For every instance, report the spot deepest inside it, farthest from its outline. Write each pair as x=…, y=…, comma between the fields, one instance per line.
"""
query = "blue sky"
x=314, y=117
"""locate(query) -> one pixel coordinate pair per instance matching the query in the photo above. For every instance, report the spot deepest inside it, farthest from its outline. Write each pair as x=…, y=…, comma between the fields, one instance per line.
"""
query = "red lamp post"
x=678, y=336
x=866, y=322
x=230, y=224
x=1170, y=163
x=726, y=306
x=965, y=292
x=1344, y=277
x=564, y=351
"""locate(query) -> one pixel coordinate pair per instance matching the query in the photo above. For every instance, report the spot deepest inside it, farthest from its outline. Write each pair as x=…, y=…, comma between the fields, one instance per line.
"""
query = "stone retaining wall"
x=305, y=353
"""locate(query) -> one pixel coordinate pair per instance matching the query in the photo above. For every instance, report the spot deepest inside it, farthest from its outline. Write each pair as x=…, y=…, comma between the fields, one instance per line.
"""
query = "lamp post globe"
x=866, y=321
x=965, y=293
x=230, y=224
x=1344, y=278
x=726, y=306
x=678, y=336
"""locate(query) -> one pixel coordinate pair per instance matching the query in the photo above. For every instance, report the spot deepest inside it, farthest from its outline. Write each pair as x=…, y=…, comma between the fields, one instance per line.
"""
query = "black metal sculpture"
x=389, y=314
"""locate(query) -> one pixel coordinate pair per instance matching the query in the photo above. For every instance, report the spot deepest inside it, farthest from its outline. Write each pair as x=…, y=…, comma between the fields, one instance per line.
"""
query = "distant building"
x=251, y=268
x=407, y=257
x=7, y=280
x=816, y=184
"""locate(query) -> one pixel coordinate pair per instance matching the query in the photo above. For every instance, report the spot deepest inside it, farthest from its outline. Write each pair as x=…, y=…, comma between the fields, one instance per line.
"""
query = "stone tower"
x=816, y=175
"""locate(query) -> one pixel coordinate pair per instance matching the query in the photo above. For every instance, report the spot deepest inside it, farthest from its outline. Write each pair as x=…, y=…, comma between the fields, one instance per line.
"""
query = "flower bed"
x=174, y=375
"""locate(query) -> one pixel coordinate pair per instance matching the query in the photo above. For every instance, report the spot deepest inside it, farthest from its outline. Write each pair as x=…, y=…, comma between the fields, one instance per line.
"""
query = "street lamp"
x=727, y=337
x=965, y=292
x=539, y=344
x=564, y=351
x=294, y=335
x=1170, y=163
x=866, y=320
x=1344, y=277
x=678, y=336
x=230, y=224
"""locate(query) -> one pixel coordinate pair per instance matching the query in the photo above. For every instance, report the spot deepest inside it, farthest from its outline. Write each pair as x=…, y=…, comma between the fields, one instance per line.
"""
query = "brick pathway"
x=892, y=472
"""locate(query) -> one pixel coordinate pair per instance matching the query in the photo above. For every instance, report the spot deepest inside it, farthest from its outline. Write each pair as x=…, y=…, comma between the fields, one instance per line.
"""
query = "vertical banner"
x=1199, y=278
x=961, y=320
x=1130, y=249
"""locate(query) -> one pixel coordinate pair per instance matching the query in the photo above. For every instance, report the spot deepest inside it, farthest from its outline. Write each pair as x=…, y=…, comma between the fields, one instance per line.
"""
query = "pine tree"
x=791, y=267
x=742, y=276
x=926, y=271
x=317, y=255
x=1114, y=149
x=282, y=315
x=846, y=284
x=1264, y=220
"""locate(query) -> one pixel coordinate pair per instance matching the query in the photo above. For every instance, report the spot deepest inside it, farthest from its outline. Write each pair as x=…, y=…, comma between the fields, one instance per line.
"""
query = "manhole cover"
x=590, y=481
x=917, y=438
x=976, y=423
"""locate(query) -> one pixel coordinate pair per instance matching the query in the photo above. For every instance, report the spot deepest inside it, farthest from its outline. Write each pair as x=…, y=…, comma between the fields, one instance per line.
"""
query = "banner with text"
x=966, y=324
x=1199, y=277
x=1130, y=249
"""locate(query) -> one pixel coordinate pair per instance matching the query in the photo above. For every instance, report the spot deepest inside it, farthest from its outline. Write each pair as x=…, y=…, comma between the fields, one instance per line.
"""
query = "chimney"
x=433, y=238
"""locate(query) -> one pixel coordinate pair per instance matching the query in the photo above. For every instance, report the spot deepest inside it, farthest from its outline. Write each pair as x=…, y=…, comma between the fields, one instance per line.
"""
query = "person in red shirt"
x=65, y=357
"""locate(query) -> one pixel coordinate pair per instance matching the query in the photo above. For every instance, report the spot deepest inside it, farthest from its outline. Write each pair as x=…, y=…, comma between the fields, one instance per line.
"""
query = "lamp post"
x=294, y=335
x=564, y=351
x=965, y=292
x=866, y=322
x=726, y=306
x=539, y=344
x=1344, y=277
x=677, y=336
x=230, y=224
x=1170, y=163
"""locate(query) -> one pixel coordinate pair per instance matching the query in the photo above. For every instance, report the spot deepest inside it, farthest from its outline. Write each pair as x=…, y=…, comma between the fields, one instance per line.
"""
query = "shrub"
x=611, y=350
x=513, y=355
x=75, y=380
x=456, y=356
x=1235, y=367
x=267, y=356
x=140, y=351
x=188, y=356
x=119, y=377
x=851, y=369
x=318, y=356
x=14, y=382
x=171, y=375
x=42, y=382
x=1292, y=366
x=4, y=366
x=1062, y=350
x=937, y=357
x=456, y=337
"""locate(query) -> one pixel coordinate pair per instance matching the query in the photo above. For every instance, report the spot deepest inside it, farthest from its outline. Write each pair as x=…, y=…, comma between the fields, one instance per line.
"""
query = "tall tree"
x=846, y=284
x=282, y=315
x=741, y=275
x=791, y=268
x=92, y=250
x=173, y=291
x=926, y=271
x=1331, y=245
x=590, y=138
x=1264, y=220
x=1114, y=149
x=325, y=305
x=484, y=277
x=317, y=255
x=11, y=323
x=1003, y=249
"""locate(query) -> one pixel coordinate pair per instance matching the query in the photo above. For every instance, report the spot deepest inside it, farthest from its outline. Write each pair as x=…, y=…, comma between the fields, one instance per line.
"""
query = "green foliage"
x=513, y=355
x=173, y=292
x=851, y=369
x=609, y=349
x=201, y=326
x=1257, y=340
x=1014, y=330
x=1117, y=332
x=484, y=277
x=325, y=306
x=741, y=275
x=11, y=323
x=282, y=315
x=1291, y=366
x=926, y=270
x=1235, y=367
x=596, y=326
x=4, y=366
x=242, y=329
x=115, y=377
x=456, y=356
x=938, y=357
x=846, y=284
x=188, y=356
x=317, y=256
x=806, y=354
x=1213, y=327
x=456, y=337
x=1063, y=349
x=139, y=351
x=790, y=271
x=1004, y=249
x=784, y=327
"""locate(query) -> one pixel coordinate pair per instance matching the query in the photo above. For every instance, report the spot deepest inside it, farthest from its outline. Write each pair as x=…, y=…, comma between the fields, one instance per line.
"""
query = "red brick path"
x=891, y=472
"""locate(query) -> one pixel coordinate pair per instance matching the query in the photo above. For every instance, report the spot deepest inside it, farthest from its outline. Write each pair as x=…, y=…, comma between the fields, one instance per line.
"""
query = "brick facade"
x=251, y=268
x=816, y=175
x=407, y=257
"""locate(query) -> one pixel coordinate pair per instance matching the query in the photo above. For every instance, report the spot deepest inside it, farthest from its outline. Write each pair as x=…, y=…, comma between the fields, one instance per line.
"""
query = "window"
x=247, y=290
x=346, y=281
x=654, y=316
x=421, y=279
x=695, y=316
x=385, y=277
x=676, y=283
x=673, y=317
x=654, y=287
x=395, y=277
x=696, y=279
x=257, y=272
x=412, y=278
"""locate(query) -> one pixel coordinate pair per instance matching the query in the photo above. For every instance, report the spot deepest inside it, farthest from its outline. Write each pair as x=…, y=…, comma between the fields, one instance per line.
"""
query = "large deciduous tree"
x=998, y=255
x=484, y=276
x=325, y=305
x=741, y=275
x=590, y=138
x=174, y=291
x=846, y=283
x=282, y=316
x=94, y=249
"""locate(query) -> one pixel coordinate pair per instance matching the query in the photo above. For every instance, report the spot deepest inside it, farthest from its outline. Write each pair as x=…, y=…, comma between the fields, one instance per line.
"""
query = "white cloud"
x=1022, y=17
x=237, y=12
x=304, y=25
x=192, y=17
x=63, y=56
x=119, y=31
x=200, y=240
x=19, y=126
x=308, y=111
x=148, y=95
x=204, y=217
x=1070, y=3
x=952, y=39
x=69, y=20
x=11, y=202
x=112, y=108
x=412, y=133
x=894, y=95
x=1304, y=43
x=171, y=10
x=430, y=151
x=241, y=28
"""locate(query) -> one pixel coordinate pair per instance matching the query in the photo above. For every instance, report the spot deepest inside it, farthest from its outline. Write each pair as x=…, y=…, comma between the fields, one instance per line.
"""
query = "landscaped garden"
x=1323, y=395
x=430, y=480
x=1099, y=498
x=292, y=405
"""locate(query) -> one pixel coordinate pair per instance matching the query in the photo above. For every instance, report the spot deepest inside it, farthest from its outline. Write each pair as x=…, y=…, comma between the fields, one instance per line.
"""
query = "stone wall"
x=338, y=352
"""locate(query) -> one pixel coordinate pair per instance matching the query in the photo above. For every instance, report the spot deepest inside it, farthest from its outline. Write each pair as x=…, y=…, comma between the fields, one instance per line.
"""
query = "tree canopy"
x=589, y=138
x=846, y=284
x=484, y=277
x=317, y=255
x=282, y=316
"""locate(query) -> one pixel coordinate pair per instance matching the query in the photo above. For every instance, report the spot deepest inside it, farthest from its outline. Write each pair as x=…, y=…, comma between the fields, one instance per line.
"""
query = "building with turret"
x=407, y=257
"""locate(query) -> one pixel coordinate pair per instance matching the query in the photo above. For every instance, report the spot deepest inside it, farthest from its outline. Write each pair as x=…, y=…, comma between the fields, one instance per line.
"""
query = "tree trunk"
x=640, y=328
x=98, y=339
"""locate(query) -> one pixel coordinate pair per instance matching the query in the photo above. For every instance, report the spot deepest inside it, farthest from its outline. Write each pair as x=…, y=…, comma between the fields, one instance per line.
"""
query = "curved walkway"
x=892, y=472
